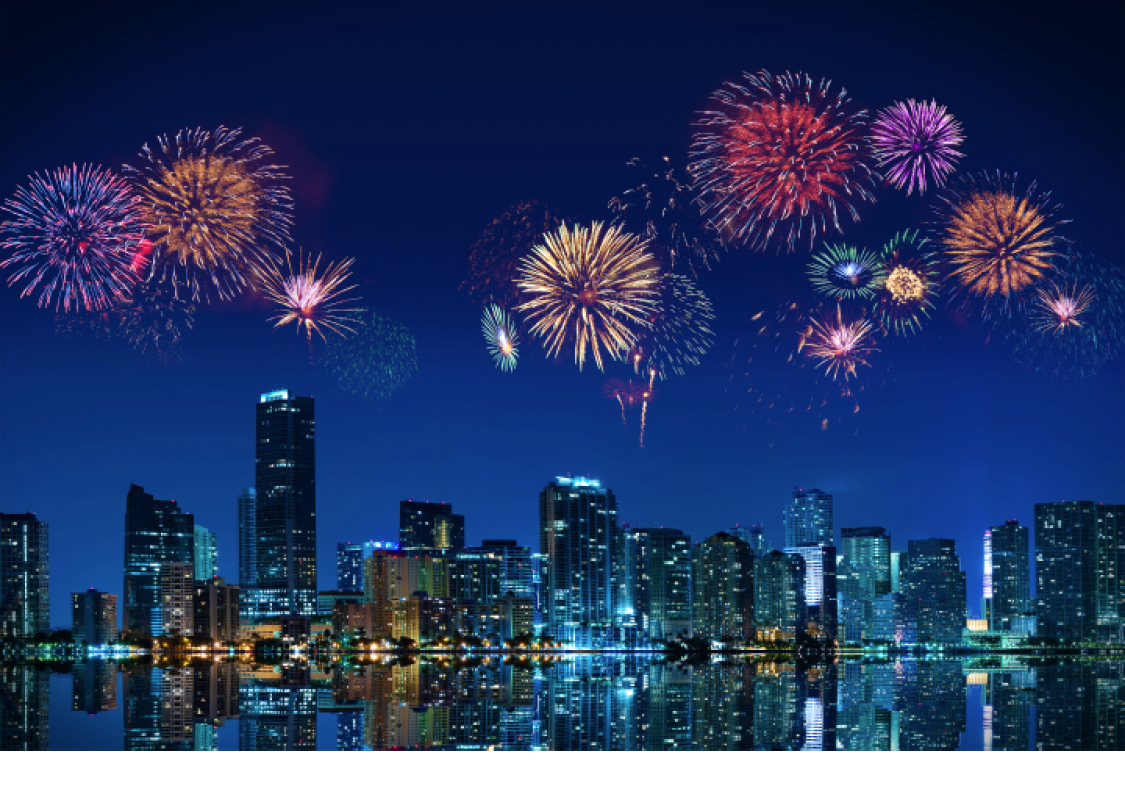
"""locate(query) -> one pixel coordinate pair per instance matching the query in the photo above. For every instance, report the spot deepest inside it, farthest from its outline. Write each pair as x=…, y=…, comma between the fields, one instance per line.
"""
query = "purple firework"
x=74, y=234
x=915, y=139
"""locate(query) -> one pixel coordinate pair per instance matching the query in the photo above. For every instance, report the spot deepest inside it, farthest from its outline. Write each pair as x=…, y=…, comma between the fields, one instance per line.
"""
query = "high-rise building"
x=578, y=533
x=1007, y=577
x=474, y=574
x=215, y=610
x=248, y=538
x=663, y=592
x=157, y=532
x=25, y=579
x=755, y=536
x=1080, y=571
x=779, y=596
x=177, y=596
x=934, y=585
x=429, y=526
x=864, y=573
x=723, y=588
x=897, y=563
x=206, y=559
x=94, y=617
x=808, y=519
x=516, y=568
x=285, y=476
x=821, y=611
x=350, y=559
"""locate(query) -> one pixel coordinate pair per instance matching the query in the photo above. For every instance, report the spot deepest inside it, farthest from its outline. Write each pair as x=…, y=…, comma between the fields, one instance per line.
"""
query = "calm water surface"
x=579, y=703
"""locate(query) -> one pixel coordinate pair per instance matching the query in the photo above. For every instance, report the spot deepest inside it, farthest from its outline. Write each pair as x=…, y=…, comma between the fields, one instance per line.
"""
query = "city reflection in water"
x=579, y=703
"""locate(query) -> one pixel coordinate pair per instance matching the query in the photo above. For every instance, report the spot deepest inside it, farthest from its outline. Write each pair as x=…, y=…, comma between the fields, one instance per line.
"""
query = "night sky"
x=406, y=132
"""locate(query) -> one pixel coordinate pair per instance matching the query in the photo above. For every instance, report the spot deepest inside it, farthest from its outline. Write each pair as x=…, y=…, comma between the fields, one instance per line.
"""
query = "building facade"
x=934, y=585
x=94, y=617
x=723, y=588
x=350, y=559
x=1007, y=577
x=206, y=554
x=821, y=612
x=157, y=532
x=248, y=538
x=177, y=597
x=25, y=578
x=215, y=610
x=864, y=574
x=663, y=589
x=429, y=526
x=779, y=596
x=808, y=519
x=516, y=568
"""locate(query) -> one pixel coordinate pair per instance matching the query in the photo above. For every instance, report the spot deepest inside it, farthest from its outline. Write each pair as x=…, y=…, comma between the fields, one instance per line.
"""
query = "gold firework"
x=598, y=285
x=838, y=345
x=308, y=299
x=1057, y=308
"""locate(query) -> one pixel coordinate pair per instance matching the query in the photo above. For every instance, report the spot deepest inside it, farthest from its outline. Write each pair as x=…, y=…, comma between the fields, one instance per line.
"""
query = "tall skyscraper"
x=779, y=596
x=157, y=532
x=864, y=574
x=821, y=612
x=578, y=534
x=897, y=564
x=206, y=559
x=247, y=539
x=429, y=526
x=723, y=588
x=1080, y=566
x=25, y=579
x=808, y=519
x=934, y=585
x=285, y=474
x=94, y=617
x=663, y=590
x=1007, y=577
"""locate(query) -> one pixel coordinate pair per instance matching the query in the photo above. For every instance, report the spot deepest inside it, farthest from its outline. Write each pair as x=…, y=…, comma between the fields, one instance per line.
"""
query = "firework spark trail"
x=212, y=207
x=618, y=390
x=1059, y=307
x=780, y=154
x=915, y=139
x=839, y=346
x=310, y=300
x=644, y=407
x=502, y=337
x=599, y=285
x=844, y=272
x=73, y=234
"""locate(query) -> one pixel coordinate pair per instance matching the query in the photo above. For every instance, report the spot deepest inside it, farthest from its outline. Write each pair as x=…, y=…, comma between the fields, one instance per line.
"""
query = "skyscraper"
x=247, y=539
x=1080, y=562
x=664, y=591
x=755, y=536
x=428, y=526
x=723, y=588
x=285, y=475
x=779, y=596
x=808, y=519
x=350, y=559
x=934, y=585
x=156, y=533
x=94, y=617
x=25, y=585
x=821, y=612
x=578, y=534
x=206, y=559
x=516, y=567
x=1007, y=577
x=864, y=574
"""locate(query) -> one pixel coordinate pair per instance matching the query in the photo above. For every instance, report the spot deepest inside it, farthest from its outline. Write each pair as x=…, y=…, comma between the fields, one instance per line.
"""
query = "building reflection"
x=25, y=700
x=95, y=686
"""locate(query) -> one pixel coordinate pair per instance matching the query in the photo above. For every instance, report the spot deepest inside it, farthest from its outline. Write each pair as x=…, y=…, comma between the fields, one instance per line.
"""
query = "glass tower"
x=863, y=575
x=206, y=559
x=25, y=586
x=1007, y=577
x=429, y=526
x=723, y=588
x=247, y=539
x=934, y=585
x=808, y=519
x=285, y=474
x=663, y=590
x=156, y=533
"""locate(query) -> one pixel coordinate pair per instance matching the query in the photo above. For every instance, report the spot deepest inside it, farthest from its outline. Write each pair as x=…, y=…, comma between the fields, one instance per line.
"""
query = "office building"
x=893, y=620
x=664, y=589
x=349, y=562
x=423, y=618
x=248, y=538
x=755, y=536
x=430, y=526
x=808, y=519
x=94, y=617
x=206, y=554
x=820, y=590
x=474, y=574
x=864, y=573
x=897, y=563
x=1079, y=563
x=935, y=585
x=157, y=532
x=177, y=596
x=515, y=569
x=215, y=610
x=579, y=536
x=1007, y=578
x=779, y=596
x=723, y=588
x=285, y=477
x=25, y=579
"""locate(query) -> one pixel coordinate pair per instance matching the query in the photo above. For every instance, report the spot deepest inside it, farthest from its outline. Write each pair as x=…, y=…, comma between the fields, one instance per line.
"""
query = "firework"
x=843, y=272
x=311, y=300
x=915, y=140
x=909, y=285
x=662, y=211
x=153, y=320
x=213, y=207
x=598, y=285
x=679, y=331
x=73, y=234
x=996, y=239
x=494, y=259
x=376, y=361
x=502, y=337
x=1058, y=308
x=780, y=155
x=623, y=392
x=838, y=345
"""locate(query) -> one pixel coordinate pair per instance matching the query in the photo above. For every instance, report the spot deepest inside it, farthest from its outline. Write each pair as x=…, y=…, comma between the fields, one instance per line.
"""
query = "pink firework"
x=914, y=141
x=309, y=299
x=840, y=346
x=1057, y=308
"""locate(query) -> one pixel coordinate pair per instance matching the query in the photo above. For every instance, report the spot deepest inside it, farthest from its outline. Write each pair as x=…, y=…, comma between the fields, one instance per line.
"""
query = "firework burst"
x=910, y=283
x=626, y=393
x=376, y=361
x=780, y=155
x=838, y=345
x=494, y=258
x=844, y=272
x=311, y=300
x=662, y=211
x=154, y=319
x=679, y=331
x=914, y=140
x=1058, y=308
x=596, y=285
x=213, y=207
x=73, y=233
x=502, y=337
x=996, y=240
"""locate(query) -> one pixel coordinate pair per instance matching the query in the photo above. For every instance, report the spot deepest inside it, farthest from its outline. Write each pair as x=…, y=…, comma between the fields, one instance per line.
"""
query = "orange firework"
x=838, y=345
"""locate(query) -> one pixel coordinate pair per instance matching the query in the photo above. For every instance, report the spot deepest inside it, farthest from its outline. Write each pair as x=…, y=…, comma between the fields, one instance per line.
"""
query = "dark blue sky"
x=405, y=135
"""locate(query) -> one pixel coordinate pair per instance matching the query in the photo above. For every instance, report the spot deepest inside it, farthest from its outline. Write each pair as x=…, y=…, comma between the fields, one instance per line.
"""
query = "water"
x=578, y=703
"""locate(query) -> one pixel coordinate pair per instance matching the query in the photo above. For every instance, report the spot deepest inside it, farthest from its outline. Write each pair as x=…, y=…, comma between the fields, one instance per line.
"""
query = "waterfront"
x=571, y=703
